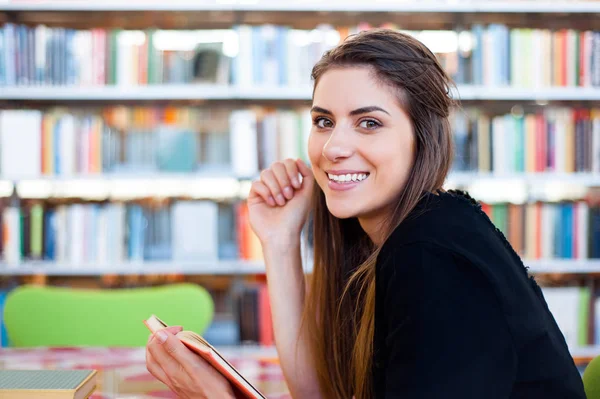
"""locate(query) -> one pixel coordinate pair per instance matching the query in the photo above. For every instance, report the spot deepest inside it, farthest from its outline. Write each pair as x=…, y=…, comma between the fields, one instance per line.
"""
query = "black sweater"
x=457, y=315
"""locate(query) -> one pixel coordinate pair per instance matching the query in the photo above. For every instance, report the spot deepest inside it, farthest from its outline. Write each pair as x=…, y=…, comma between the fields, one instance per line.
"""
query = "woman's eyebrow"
x=321, y=110
x=358, y=111
x=365, y=110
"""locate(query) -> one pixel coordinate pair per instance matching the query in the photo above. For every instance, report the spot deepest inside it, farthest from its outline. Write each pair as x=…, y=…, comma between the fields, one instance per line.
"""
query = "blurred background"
x=130, y=133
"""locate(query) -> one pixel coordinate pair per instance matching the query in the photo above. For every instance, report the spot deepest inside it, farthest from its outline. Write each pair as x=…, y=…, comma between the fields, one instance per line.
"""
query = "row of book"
x=271, y=55
x=564, y=230
x=75, y=142
x=528, y=58
x=112, y=233
x=34, y=143
x=261, y=55
x=562, y=140
x=577, y=313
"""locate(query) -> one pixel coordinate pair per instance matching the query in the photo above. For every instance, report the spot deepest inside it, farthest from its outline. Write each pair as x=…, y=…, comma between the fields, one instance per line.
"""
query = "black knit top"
x=458, y=316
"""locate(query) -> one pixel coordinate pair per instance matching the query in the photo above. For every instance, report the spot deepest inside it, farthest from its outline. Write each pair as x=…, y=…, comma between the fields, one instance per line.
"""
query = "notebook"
x=199, y=345
x=47, y=384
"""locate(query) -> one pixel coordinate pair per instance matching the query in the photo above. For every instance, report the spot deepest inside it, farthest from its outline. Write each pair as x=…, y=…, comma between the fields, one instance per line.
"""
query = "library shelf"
x=207, y=92
x=584, y=179
x=227, y=186
x=231, y=267
x=563, y=266
x=513, y=7
x=51, y=268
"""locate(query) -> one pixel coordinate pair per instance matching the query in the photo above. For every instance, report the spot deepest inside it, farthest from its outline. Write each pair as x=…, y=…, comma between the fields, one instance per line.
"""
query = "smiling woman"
x=414, y=292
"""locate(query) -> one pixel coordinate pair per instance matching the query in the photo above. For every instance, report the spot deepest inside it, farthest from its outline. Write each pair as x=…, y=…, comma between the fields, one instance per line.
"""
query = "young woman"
x=414, y=293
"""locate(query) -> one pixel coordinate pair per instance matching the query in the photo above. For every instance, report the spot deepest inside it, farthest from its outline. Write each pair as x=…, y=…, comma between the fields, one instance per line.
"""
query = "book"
x=200, y=346
x=47, y=384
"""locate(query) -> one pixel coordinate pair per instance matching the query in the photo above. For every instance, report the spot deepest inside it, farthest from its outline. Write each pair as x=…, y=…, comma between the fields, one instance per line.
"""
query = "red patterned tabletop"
x=122, y=371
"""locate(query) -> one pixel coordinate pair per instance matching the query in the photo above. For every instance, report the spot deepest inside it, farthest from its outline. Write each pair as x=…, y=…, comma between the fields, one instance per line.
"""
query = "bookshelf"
x=234, y=267
x=498, y=92
x=197, y=92
x=210, y=268
x=468, y=6
x=122, y=186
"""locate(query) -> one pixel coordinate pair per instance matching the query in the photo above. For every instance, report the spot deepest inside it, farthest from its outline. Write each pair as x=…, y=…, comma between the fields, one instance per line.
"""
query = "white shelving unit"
x=235, y=267
x=561, y=266
x=196, y=92
x=217, y=267
x=515, y=7
x=223, y=186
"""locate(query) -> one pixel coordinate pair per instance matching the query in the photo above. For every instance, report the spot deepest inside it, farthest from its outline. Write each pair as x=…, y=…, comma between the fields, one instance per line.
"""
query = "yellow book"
x=47, y=384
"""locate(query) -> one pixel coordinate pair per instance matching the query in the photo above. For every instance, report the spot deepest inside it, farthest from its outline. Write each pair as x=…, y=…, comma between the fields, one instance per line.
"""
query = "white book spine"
x=21, y=143
x=67, y=145
x=12, y=241
x=596, y=145
x=62, y=224
x=498, y=145
x=76, y=234
x=101, y=241
x=582, y=230
x=244, y=151
x=244, y=71
x=288, y=131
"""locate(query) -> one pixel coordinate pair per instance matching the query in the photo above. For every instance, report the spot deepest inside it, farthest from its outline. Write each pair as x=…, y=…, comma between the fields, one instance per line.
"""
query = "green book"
x=47, y=384
x=36, y=231
x=499, y=217
x=585, y=296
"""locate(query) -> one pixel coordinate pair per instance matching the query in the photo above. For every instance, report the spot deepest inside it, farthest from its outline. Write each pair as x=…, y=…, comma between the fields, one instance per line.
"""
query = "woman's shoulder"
x=443, y=218
x=448, y=235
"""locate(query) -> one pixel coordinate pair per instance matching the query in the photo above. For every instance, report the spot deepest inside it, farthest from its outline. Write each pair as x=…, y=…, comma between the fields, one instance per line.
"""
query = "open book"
x=199, y=345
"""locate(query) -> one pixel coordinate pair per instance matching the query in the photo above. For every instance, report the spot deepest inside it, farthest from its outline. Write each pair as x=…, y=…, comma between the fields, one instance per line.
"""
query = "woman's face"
x=361, y=145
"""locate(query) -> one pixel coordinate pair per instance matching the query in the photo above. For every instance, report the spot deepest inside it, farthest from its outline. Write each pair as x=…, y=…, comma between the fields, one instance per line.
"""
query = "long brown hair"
x=340, y=306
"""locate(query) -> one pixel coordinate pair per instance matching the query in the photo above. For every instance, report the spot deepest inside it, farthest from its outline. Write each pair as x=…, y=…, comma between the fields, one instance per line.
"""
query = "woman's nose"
x=337, y=147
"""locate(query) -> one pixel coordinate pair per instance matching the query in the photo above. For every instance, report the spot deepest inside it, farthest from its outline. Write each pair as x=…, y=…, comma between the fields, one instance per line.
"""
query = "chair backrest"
x=60, y=316
x=591, y=379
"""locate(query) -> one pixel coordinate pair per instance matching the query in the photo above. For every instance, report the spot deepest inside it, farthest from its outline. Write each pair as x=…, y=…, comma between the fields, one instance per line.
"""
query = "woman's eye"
x=323, y=123
x=369, y=124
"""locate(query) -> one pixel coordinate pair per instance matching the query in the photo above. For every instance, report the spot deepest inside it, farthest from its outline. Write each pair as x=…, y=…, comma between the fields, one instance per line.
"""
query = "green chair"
x=58, y=316
x=591, y=379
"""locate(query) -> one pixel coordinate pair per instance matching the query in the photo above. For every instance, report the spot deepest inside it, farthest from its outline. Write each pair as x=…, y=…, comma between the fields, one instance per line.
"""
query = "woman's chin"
x=340, y=211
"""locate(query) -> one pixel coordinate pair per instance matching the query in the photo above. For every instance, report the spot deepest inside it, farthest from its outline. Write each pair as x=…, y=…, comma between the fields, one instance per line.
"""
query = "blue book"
x=478, y=54
x=594, y=233
x=3, y=334
x=558, y=241
x=49, y=234
x=135, y=218
x=56, y=144
x=282, y=35
x=2, y=59
x=567, y=230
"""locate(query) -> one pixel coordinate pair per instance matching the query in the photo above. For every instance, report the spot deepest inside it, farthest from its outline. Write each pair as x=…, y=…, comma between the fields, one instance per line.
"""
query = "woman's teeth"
x=348, y=177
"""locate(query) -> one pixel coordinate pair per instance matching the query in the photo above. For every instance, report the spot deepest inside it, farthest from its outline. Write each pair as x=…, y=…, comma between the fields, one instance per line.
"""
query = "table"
x=122, y=371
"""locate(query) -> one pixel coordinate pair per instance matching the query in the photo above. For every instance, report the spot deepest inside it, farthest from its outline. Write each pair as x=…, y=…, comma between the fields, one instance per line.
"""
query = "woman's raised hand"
x=279, y=201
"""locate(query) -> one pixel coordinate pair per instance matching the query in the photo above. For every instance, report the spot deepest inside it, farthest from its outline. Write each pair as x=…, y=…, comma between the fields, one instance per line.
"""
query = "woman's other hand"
x=279, y=201
x=184, y=372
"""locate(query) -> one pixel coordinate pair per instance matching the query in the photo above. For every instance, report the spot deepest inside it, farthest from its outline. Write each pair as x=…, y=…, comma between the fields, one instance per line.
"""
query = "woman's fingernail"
x=295, y=183
x=271, y=201
x=280, y=199
x=162, y=336
x=287, y=191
